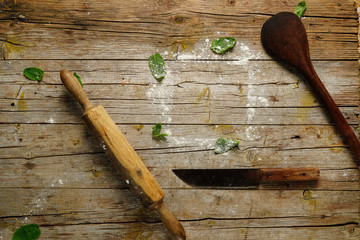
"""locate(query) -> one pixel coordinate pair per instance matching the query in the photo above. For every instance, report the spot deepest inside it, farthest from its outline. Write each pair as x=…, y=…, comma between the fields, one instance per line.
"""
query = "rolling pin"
x=123, y=156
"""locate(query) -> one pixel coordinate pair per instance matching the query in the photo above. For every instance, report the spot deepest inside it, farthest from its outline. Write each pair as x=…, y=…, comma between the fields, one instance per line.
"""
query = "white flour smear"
x=198, y=143
x=201, y=51
x=239, y=55
x=254, y=100
x=37, y=204
x=51, y=120
x=161, y=94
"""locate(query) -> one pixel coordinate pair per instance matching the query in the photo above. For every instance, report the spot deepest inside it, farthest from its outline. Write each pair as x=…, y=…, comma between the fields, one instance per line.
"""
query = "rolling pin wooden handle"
x=75, y=89
x=334, y=112
x=289, y=174
x=174, y=227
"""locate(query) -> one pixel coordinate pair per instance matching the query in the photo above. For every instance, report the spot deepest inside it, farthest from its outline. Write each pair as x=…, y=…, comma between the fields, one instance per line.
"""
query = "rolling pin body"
x=123, y=156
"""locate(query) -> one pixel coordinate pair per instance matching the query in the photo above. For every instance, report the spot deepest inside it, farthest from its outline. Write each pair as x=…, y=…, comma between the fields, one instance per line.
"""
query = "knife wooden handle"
x=289, y=174
x=123, y=156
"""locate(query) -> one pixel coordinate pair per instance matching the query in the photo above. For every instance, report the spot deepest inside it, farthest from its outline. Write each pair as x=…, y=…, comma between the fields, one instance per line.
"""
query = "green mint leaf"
x=27, y=232
x=223, y=145
x=156, y=131
x=159, y=136
x=34, y=74
x=300, y=9
x=157, y=66
x=78, y=78
x=222, y=44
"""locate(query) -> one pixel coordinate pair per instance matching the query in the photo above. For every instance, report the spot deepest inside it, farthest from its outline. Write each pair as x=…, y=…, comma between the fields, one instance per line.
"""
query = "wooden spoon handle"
x=289, y=174
x=284, y=36
x=334, y=112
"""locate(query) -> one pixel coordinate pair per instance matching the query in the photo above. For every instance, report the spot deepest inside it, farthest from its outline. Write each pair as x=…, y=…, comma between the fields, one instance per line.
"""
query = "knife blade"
x=244, y=178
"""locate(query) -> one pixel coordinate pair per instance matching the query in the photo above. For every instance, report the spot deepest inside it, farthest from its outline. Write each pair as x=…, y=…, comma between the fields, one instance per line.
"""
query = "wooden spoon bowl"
x=284, y=36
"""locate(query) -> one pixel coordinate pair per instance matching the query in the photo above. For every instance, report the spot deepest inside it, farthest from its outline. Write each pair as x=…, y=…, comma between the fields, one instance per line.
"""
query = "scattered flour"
x=51, y=120
x=201, y=50
x=254, y=100
x=161, y=94
x=198, y=143
x=240, y=55
x=252, y=133
x=244, y=55
x=38, y=203
x=104, y=147
x=250, y=114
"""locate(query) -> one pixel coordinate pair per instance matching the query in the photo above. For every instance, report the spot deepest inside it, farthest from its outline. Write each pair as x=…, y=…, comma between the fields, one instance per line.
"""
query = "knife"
x=244, y=178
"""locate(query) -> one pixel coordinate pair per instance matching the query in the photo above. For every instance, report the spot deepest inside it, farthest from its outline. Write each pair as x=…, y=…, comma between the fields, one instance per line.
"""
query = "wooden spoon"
x=284, y=36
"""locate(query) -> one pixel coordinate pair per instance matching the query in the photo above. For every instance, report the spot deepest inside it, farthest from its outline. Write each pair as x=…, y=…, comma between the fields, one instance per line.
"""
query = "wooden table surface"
x=53, y=172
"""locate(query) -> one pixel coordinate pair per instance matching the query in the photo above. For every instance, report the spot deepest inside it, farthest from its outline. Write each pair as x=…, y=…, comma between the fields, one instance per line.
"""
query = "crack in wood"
x=127, y=33
x=17, y=146
x=191, y=189
x=102, y=223
x=173, y=152
x=43, y=215
x=153, y=221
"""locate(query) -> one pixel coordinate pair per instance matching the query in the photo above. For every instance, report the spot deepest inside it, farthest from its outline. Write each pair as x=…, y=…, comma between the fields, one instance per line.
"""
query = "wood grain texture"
x=289, y=174
x=54, y=173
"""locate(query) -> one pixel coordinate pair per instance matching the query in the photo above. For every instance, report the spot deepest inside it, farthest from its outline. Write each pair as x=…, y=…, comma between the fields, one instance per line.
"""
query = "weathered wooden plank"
x=61, y=139
x=225, y=94
x=243, y=209
x=99, y=10
x=186, y=114
x=175, y=99
x=206, y=229
x=238, y=204
x=259, y=84
x=180, y=96
x=86, y=171
x=117, y=45
x=236, y=70
x=122, y=32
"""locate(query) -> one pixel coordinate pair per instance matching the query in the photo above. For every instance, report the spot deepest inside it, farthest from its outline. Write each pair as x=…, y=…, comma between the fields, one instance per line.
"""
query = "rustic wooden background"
x=53, y=172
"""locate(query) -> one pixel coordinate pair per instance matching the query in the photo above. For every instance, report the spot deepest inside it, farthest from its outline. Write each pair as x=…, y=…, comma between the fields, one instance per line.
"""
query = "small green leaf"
x=27, y=232
x=157, y=66
x=222, y=44
x=156, y=132
x=78, y=78
x=223, y=145
x=34, y=74
x=300, y=9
